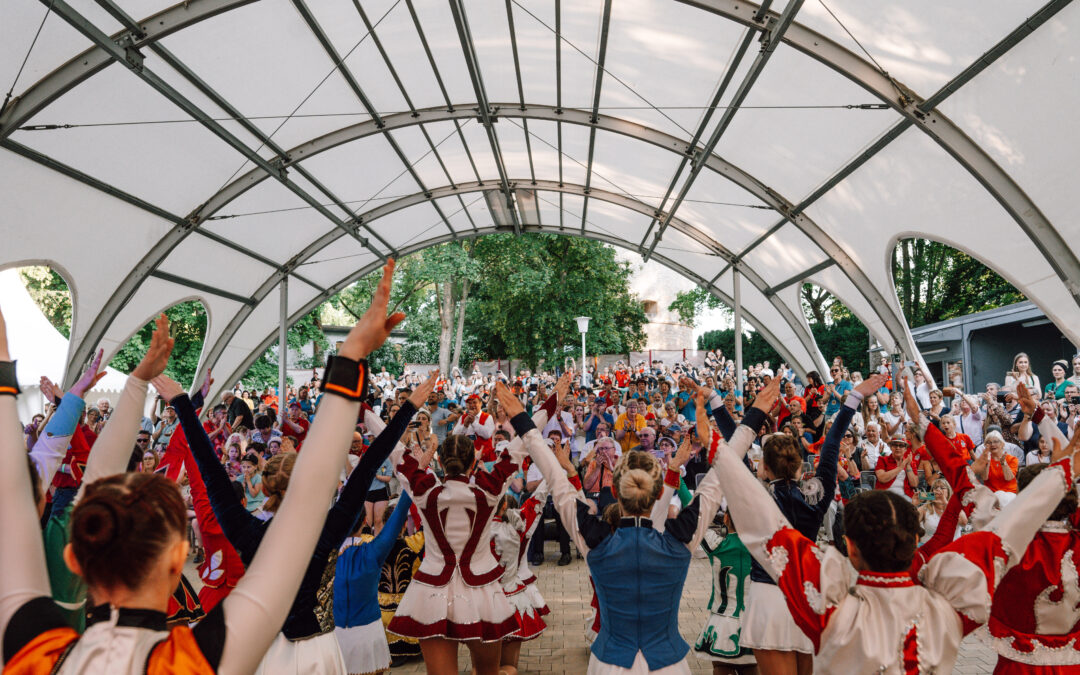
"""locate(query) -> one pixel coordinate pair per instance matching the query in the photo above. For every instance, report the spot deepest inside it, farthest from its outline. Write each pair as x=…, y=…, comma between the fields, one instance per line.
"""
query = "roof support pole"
x=283, y=346
x=737, y=295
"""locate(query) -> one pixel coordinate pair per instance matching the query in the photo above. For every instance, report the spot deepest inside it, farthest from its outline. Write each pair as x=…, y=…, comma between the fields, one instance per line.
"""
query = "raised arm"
x=384, y=541
x=257, y=607
x=801, y=570
x=339, y=522
x=22, y=557
x=51, y=446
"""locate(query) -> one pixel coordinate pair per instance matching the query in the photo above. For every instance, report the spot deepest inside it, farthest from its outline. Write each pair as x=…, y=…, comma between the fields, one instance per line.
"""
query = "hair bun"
x=98, y=523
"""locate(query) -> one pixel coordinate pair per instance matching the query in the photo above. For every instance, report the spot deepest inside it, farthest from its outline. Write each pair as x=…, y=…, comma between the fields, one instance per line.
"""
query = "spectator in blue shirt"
x=835, y=391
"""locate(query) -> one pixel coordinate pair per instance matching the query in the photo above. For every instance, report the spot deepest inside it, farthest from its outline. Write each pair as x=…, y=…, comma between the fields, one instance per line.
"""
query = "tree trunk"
x=445, y=296
x=460, y=324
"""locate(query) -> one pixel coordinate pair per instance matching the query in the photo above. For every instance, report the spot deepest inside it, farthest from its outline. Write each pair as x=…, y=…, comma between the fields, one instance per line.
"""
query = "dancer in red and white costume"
x=455, y=596
x=881, y=620
x=1035, y=618
x=479, y=426
x=509, y=531
x=531, y=512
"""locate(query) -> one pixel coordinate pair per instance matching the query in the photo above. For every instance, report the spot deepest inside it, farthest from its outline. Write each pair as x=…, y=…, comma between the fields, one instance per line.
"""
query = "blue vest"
x=639, y=575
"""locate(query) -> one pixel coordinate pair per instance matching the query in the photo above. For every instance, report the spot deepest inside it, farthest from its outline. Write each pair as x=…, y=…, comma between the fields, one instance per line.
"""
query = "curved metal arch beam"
x=238, y=372
x=886, y=312
x=95, y=59
x=797, y=323
x=994, y=179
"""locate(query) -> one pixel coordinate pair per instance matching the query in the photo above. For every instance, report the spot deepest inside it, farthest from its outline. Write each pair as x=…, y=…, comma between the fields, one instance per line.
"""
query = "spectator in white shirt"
x=871, y=448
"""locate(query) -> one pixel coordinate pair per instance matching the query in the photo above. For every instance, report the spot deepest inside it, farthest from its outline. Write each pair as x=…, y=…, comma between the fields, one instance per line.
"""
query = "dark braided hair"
x=781, y=456
x=457, y=455
x=885, y=527
x=1065, y=507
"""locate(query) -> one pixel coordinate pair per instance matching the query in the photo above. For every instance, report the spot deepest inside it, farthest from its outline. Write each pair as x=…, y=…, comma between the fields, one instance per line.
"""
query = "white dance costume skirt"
x=320, y=654
x=364, y=648
x=455, y=611
x=639, y=667
x=767, y=623
x=529, y=621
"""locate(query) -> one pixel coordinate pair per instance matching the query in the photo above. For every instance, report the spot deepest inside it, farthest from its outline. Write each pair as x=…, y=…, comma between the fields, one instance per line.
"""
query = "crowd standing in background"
x=937, y=510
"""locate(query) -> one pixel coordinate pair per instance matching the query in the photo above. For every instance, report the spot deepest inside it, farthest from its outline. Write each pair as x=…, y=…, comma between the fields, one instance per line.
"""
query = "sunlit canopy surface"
x=219, y=146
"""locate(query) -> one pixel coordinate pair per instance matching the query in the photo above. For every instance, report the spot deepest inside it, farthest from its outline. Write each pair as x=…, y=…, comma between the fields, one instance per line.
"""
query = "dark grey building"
x=979, y=348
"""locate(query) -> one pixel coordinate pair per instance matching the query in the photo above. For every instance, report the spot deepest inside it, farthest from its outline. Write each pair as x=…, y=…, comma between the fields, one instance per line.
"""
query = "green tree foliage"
x=531, y=288
x=50, y=292
x=690, y=304
x=936, y=282
x=847, y=338
x=755, y=348
x=187, y=324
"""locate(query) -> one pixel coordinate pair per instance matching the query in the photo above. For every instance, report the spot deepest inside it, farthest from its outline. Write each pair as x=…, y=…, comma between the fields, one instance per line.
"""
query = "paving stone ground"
x=561, y=648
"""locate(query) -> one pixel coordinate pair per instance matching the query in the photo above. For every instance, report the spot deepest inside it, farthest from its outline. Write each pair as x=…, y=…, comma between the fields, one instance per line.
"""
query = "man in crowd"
x=479, y=426
x=627, y=425
x=239, y=414
x=294, y=425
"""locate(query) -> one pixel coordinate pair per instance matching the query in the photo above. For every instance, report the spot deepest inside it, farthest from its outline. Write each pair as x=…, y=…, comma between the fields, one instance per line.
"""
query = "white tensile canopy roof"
x=308, y=139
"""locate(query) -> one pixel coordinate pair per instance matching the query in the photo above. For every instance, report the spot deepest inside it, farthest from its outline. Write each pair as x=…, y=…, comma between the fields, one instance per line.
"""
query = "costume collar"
x=635, y=521
x=885, y=579
x=462, y=478
x=132, y=618
x=1056, y=526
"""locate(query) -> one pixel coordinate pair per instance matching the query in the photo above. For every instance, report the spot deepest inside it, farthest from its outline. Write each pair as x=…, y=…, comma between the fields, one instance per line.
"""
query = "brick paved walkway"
x=561, y=649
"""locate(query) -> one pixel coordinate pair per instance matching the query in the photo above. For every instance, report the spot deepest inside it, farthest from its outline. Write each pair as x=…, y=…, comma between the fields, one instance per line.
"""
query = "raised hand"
x=209, y=380
x=1027, y=401
x=562, y=387
x=871, y=385
x=419, y=396
x=157, y=357
x=507, y=400
x=562, y=453
x=1070, y=450
x=767, y=397
x=4, y=355
x=90, y=376
x=371, y=331
x=682, y=455
x=910, y=404
x=429, y=453
x=50, y=390
x=167, y=387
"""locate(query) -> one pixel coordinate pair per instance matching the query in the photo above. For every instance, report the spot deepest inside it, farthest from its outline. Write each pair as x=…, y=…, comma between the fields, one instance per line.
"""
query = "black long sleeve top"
x=307, y=616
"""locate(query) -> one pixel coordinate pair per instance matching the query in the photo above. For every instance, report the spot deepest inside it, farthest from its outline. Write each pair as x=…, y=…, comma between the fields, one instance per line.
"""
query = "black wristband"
x=522, y=423
x=754, y=418
x=9, y=385
x=345, y=377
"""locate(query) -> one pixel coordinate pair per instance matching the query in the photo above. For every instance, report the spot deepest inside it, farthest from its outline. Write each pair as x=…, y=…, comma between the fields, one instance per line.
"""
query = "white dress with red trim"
x=506, y=535
x=885, y=622
x=456, y=593
x=531, y=514
x=1035, y=618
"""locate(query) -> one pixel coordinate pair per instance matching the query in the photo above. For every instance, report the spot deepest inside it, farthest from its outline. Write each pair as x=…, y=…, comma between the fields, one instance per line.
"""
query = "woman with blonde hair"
x=930, y=513
x=1021, y=372
x=639, y=631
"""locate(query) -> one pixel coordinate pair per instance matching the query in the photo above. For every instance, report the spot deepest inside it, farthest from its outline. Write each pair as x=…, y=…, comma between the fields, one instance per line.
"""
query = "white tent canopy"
x=211, y=149
x=39, y=349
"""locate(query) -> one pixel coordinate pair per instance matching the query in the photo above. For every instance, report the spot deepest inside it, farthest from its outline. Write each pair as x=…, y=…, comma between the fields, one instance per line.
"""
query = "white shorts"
x=364, y=648
x=767, y=623
x=320, y=654
x=639, y=667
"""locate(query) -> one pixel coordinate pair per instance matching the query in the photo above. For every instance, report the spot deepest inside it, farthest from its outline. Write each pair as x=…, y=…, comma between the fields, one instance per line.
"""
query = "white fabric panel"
x=300, y=294
x=458, y=216
x=174, y=166
x=581, y=42
x=262, y=322
x=536, y=49
x=576, y=151
x=438, y=23
x=1006, y=110
x=763, y=315
x=548, y=202
x=572, y=206
x=43, y=227
x=360, y=170
x=406, y=226
x=790, y=296
x=670, y=54
x=690, y=253
x=921, y=43
x=336, y=261
x=154, y=297
x=783, y=255
x=515, y=153
x=625, y=165
x=724, y=210
x=773, y=143
x=614, y=221
x=268, y=37
x=477, y=140
x=913, y=188
x=57, y=43
x=280, y=224
x=544, y=137
x=491, y=38
x=448, y=144
x=833, y=280
x=207, y=262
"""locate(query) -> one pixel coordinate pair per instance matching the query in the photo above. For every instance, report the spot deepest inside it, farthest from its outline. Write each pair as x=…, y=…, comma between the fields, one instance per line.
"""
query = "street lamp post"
x=583, y=327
